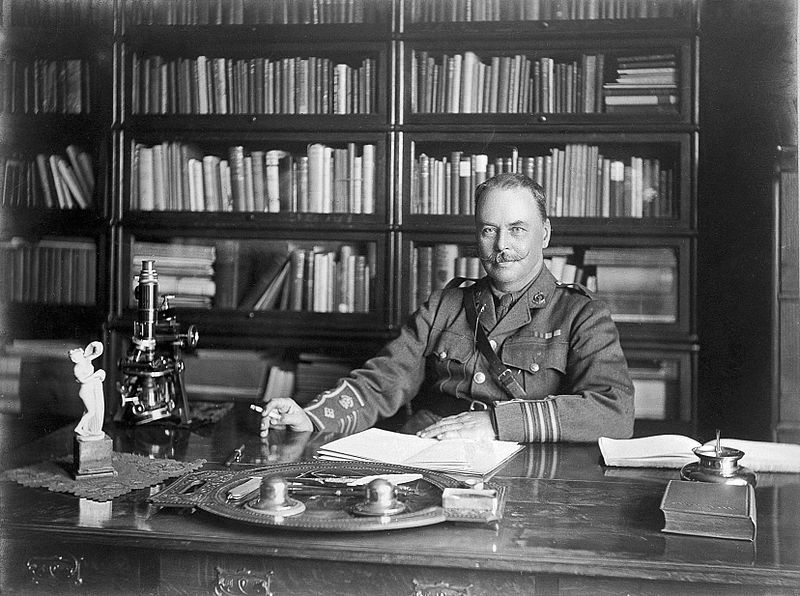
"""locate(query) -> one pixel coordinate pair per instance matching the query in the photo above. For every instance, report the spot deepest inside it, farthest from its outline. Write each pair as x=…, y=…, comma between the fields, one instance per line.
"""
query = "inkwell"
x=719, y=465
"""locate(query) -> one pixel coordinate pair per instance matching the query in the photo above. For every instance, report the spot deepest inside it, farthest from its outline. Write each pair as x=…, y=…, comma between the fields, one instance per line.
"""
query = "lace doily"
x=133, y=472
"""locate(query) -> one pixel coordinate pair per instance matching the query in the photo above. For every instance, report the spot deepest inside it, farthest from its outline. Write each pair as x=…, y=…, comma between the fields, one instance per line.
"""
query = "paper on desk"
x=459, y=456
x=674, y=451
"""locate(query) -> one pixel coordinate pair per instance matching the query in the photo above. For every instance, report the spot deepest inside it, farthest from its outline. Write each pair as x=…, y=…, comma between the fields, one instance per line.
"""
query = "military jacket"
x=559, y=342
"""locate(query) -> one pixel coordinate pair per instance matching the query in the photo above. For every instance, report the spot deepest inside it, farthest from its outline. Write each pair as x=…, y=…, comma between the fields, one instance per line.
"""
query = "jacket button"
x=442, y=355
x=479, y=377
x=534, y=367
x=493, y=343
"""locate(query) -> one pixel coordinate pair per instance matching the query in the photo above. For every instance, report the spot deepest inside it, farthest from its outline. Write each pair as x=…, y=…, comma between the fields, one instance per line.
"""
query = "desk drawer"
x=197, y=573
x=38, y=566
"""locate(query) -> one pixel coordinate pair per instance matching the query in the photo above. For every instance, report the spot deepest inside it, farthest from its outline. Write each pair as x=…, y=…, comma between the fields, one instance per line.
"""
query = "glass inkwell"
x=718, y=464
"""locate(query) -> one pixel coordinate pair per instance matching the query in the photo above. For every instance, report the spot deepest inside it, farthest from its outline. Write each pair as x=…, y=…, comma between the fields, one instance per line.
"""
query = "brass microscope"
x=152, y=371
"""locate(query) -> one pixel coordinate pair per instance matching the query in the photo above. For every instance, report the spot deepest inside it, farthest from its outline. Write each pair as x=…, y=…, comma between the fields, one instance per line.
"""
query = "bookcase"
x=324, y=153
x=567, y=106
x=55, y=112
x=262, y=145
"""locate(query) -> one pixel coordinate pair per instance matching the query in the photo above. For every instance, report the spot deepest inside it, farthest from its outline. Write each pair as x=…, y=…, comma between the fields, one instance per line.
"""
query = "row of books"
x=54, y=13
x=39, y=86
x=566, y=267
x=431, y=11
x=185, y=271
x=177, y=176
x=638, y=284
x=433, y=266
x=254, y=12
x=578, y=182
x=55, y=270
x=643, y=82
x=261, y=85
x=254, y=275
x=511, y=84
x=48, y=181
x=251, y=12
x=313, y=280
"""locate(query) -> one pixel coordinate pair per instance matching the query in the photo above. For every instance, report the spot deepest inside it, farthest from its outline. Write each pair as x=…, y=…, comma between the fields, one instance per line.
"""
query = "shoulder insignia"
x=576, y=288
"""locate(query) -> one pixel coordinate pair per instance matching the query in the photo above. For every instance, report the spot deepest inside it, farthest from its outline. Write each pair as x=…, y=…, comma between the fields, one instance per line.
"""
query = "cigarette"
x=274, y=414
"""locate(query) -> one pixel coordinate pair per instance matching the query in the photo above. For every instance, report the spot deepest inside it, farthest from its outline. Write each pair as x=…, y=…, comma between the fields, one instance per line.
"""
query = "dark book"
x=424, y=273
x=286, y=183
x=709, y=509
x=270, y=299
x=259, y=182
x=263, y=278
x=236, y=161
x=228, y=274
x=297, y=279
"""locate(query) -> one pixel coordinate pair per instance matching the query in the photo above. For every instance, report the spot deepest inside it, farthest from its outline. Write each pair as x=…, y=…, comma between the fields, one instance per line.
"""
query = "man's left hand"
x=467, y=425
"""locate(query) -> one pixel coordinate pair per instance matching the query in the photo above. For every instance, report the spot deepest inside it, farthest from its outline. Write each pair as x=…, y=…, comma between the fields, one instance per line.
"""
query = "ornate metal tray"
x=209, y=491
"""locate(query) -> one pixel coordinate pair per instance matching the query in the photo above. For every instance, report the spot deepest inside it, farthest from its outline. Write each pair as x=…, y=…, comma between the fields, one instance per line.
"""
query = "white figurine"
x=90, y=425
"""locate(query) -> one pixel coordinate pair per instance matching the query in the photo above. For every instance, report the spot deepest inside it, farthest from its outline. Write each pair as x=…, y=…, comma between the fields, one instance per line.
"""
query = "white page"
x=764, y=456
x=659, y=451
x=378, y=445
x=450, y=455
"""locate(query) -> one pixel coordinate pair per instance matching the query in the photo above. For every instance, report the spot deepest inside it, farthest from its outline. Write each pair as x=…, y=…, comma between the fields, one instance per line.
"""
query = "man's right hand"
x=283, y=412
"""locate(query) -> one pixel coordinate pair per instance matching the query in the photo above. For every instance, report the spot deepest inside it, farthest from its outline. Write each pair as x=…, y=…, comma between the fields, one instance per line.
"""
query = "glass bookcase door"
x=641, y=284
x=258, y=275
x=662, y=380
x=284, y=175
x=629, y=180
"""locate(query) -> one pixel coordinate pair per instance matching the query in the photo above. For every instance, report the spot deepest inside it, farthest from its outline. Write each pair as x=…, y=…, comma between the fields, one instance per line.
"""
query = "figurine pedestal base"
x=93, y=458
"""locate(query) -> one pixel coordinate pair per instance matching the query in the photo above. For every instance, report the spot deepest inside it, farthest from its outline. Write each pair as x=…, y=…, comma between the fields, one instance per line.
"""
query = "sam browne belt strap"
x=504, y=375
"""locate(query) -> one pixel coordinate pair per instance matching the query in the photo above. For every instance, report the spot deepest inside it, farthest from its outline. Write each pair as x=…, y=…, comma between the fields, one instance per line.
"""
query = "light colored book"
x=462, y=457
x=68, y=176
x=368, y=179
x=674, y=451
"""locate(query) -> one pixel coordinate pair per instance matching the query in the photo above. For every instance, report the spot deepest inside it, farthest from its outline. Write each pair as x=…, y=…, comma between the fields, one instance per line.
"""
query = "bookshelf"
x=53, y=156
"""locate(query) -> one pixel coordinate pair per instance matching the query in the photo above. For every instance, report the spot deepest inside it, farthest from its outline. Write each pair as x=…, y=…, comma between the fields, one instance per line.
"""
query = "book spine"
x=273, y=183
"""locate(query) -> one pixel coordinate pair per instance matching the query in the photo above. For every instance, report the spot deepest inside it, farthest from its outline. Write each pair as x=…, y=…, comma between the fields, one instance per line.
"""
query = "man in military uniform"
x=516, y=356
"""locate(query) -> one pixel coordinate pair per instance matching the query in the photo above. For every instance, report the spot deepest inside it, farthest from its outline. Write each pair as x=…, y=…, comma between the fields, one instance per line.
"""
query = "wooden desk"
x=571, y=526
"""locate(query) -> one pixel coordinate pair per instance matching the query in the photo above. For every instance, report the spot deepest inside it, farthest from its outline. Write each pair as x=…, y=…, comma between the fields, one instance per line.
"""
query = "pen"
x=235, y=456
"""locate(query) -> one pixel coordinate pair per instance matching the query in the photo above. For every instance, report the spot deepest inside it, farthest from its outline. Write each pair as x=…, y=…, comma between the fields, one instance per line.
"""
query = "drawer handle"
x=439, y=589
x=58, y=568
x=242, y=583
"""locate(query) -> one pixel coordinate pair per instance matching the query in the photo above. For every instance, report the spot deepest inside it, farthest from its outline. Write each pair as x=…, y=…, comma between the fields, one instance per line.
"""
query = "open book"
x=460, y=457
x=673, y=451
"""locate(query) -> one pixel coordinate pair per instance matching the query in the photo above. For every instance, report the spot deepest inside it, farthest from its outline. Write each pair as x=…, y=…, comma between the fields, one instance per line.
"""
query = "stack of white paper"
x=453, y=456
x=673, y=451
